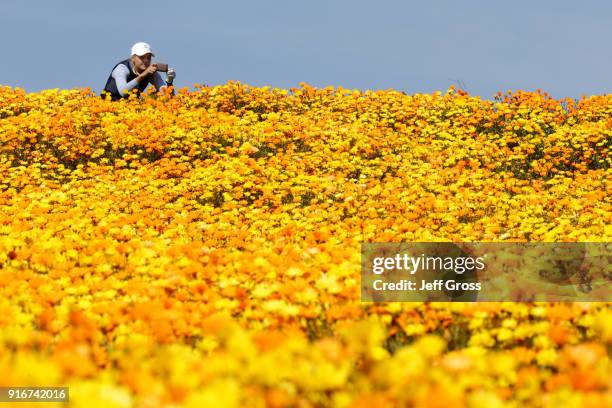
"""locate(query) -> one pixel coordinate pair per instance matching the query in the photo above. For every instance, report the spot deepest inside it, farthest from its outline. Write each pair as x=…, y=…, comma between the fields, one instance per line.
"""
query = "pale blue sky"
x=562, y=47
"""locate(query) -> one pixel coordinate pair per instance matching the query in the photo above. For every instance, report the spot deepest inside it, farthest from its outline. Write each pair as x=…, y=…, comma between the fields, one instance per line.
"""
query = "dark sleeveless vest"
x=111, y=85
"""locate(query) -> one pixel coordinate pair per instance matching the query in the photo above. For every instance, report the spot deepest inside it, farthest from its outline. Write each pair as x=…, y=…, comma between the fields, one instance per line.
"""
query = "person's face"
x=141, y=63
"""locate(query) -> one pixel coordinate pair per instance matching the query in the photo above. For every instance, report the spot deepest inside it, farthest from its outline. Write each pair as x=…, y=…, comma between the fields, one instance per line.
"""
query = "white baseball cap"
x=141, y=48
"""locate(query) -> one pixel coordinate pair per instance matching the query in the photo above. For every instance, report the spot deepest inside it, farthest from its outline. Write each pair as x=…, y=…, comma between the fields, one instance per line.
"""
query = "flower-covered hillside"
x=204, y=249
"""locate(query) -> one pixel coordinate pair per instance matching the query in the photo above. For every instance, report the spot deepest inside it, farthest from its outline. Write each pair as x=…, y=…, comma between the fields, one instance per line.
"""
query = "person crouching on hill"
x=134, y=72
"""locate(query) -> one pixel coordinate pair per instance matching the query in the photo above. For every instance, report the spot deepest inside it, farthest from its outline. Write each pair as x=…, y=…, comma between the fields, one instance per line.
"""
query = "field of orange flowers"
x=204, y=249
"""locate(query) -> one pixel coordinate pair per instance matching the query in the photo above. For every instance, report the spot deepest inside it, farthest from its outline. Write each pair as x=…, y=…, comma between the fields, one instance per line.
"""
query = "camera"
x=170, y=73
x=161, y=67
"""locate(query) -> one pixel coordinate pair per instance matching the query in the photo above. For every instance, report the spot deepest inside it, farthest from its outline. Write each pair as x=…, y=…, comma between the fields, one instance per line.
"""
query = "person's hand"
x=170, y=76
x=151, y=69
